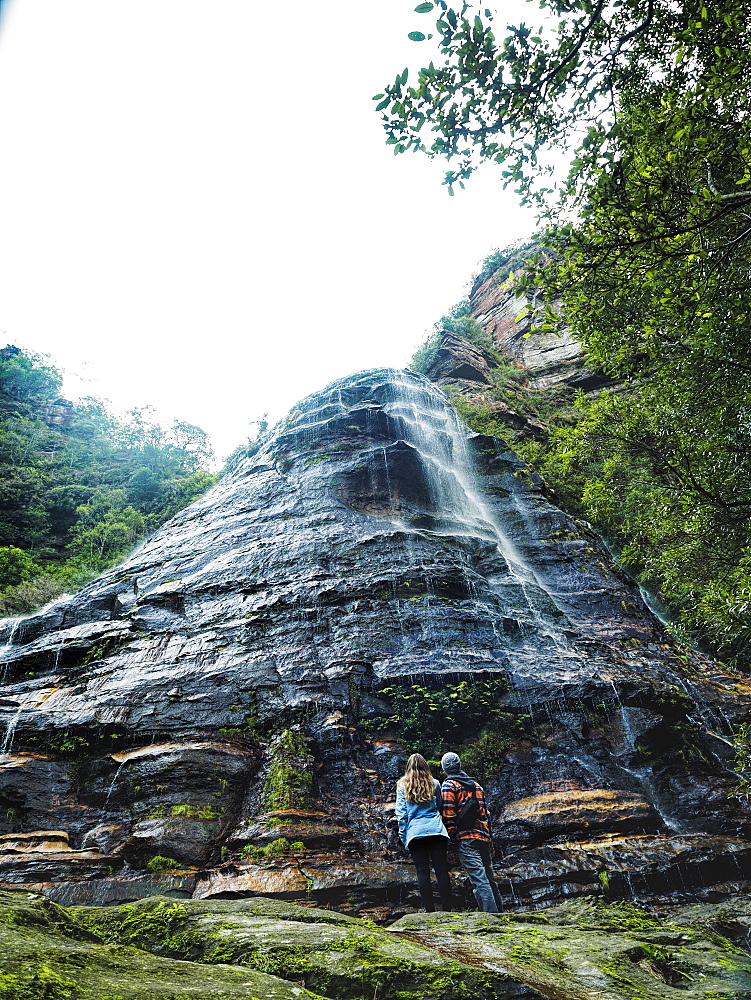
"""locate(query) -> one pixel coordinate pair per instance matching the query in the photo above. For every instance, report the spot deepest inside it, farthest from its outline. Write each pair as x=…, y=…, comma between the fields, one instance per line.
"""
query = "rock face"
x=459, y=362
x=550, y=359
x=225, y=713
x=464, y=367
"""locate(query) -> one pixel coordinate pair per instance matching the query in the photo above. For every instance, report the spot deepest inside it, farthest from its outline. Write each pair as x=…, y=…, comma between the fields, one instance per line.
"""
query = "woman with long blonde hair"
x=421, y=829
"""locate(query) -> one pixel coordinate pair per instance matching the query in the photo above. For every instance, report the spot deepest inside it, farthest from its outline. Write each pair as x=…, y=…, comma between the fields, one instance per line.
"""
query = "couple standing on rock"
x=431, y=816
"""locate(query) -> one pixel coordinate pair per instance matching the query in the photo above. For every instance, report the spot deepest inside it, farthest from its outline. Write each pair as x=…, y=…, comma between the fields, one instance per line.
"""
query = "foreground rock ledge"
x=160, y=949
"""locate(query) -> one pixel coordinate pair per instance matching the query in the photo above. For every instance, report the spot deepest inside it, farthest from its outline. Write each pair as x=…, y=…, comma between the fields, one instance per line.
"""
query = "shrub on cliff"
x=159, y=863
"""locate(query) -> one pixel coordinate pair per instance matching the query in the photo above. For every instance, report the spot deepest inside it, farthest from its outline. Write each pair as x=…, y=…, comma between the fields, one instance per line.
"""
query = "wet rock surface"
x=48, y=952
x=224, y=713
x=165, y=948
x=586, y=810
x=585, y=949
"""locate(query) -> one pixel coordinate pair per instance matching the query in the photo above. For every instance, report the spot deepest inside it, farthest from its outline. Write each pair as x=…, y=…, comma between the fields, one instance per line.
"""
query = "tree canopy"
x=562, y=84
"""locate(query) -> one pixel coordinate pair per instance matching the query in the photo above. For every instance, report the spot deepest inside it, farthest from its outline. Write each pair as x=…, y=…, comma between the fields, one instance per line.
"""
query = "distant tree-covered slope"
x=78, y=487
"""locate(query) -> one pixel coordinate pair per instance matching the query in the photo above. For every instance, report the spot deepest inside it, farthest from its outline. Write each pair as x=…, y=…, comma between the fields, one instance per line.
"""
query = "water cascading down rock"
x=254, y=670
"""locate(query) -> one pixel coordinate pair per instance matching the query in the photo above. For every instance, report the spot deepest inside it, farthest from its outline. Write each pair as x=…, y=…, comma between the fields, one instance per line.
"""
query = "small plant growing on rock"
x=161, y=928
x=276, y=849
x=195, y=812
x=161, y=864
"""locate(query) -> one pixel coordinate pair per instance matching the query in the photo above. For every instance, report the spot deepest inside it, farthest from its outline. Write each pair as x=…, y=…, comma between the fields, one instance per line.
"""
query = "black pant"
x=427, y=851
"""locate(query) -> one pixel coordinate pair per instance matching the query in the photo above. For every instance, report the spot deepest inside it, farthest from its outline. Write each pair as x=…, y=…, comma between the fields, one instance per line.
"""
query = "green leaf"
x=416, y=36
x=423, y=8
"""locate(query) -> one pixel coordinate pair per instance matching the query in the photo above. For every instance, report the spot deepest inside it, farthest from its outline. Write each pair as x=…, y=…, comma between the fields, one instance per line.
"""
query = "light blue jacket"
x=419, y=819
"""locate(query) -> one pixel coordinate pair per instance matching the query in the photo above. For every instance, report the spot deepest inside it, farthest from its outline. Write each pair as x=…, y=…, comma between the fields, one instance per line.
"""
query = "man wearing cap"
x=473, y=844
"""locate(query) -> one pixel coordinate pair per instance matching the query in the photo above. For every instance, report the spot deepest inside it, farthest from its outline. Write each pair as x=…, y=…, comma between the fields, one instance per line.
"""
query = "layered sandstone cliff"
x=235, y=684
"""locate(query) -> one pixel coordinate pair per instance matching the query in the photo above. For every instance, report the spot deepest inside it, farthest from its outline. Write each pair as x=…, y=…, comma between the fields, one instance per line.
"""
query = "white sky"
x=198, y=210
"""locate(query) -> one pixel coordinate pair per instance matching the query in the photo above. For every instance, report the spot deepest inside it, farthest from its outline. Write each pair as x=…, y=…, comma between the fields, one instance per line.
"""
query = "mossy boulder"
x=47, y=952
x=587, y=948
x=337, y=956
x=263, y=949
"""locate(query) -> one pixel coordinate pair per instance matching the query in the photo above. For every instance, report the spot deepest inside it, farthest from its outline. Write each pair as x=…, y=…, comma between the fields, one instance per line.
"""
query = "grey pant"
x=475, y=857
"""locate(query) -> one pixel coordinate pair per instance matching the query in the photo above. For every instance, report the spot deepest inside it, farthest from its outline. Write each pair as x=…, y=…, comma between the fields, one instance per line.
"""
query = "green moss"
x=195, y=811
x=355, y=968
x=184, y=809
x=317, y=459
x=49, y=953
x=615, y=974
x=42, y=984
x=231, y=943
x=277, y=848
x=356, y=961
x=270, y=821
x=152, y=928
x=292, y=963
x=289, y=783
x=620, y=916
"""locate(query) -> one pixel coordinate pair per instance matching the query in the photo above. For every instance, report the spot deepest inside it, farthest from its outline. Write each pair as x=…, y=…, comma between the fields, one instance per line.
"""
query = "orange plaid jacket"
x=453, y=797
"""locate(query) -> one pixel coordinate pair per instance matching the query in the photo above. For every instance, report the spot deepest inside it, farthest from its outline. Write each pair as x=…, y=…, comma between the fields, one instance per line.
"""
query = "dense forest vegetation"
x=646, y=252
x=78, y=487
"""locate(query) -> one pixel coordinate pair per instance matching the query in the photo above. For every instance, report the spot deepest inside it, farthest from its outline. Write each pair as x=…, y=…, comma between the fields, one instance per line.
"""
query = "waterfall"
x=370, y=543
x=7, y=647
x=420, y=416
x=429, y=423
x=5, y=749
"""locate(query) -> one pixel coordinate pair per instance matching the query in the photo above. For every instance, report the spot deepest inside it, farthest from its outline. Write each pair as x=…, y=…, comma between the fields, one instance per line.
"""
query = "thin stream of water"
x=112, y=786
x=5, y=750
x=7, y=647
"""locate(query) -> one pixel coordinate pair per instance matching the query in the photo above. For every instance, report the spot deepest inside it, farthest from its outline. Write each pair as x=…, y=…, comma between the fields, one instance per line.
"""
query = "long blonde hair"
x=418, y=782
